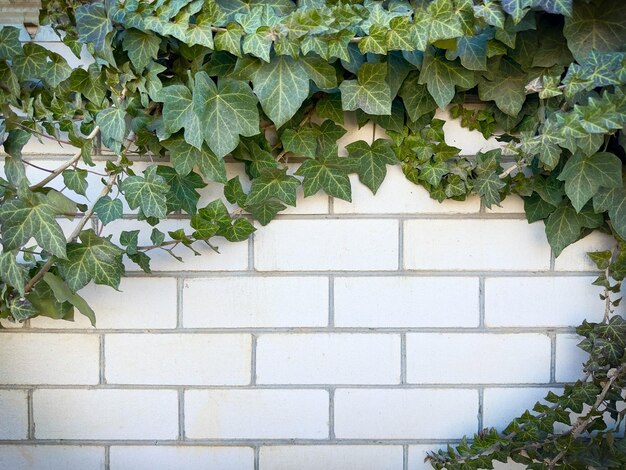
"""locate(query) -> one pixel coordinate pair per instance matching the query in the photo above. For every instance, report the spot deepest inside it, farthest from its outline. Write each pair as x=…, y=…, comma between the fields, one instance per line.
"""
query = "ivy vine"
x=191, y=82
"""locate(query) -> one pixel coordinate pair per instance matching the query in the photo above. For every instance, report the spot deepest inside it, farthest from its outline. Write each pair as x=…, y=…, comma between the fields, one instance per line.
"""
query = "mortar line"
x=497, y=330
x=552, y=357
x=401, y=245
x=180, y=284
x=257, y=457
x=253, y=360
x=481, y=408
x=331, y=301
x=107, y=457
x=331, y=414
x=102, y=370
x=362, y=273
x=30, y=414
x=481, y=302
x=331, y=205
x=181, y=414
x=483, y=209
x=403, y=358
x=251, y=253
x=405, y=457
x=552, y=260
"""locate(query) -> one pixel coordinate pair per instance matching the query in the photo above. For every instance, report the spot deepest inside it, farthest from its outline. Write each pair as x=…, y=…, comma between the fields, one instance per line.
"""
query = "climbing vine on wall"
x=191, y=82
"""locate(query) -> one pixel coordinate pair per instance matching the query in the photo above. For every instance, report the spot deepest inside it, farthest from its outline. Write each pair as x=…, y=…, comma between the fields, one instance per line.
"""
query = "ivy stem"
x=44, y=135
x=54, y=173
x=79, y=227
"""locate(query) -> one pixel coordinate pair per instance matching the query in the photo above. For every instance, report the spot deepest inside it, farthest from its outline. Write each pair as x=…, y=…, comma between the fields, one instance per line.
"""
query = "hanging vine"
x=190, y=82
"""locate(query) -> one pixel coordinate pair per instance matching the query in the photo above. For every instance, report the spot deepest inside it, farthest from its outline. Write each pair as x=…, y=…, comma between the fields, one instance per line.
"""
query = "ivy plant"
x=190, y=83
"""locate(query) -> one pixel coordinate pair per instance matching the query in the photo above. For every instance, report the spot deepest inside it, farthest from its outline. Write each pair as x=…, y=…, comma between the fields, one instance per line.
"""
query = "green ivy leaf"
x=302, y=141
x=141, y=47
x=90, y=83
x=22, y=309
x=112, y=127
x=441, y=76
x=93, y=24
x=491, y=12
x=184, y=157
x=229, y=40
x=563, y=228
x=32, y=63
x=12, y=272
x=506, y=87
x=445, y=21
x=488, y=186
x=23, y=219
x=416, y=98
x=266, y=211
x=233, y=191
x=273, y=183
x=281, y=86
x=94, y=258
x=600, y=26
x=329, y=174
x=57, y=71
x=370, y=162
x=148, y=193
x=76, y=180
x=369, y=92
x=178, y=113
x=227, y=111
x=516, y=8
x=108, y=209
x=583, y=176
x=10, y=46
x=183, y=188
x=63, y=294
x=537, y=209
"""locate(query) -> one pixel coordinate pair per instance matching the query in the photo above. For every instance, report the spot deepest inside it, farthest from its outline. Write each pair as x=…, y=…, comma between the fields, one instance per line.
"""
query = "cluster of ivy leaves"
x=198, y=80
x=192, y=82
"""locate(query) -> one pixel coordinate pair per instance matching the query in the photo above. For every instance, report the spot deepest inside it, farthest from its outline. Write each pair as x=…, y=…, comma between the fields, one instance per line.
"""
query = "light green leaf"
x=273, y=183
x=141, y=47
x=488, y=186
x=148, y=193
x=200, y=33
x=90, y=83
x=112, y=127
x=22, y=309
x=301, y=141
x=239, y=231
x=369, y=162
x=227, y=111
x=184, y=157
x=491, y=12
x=370, y=92
x=22, y=219
x=328, y=174
x=63, y=294
x=441, y=76
x=281, y=86
x=266, y=211
x=563, y=228
x=583, y=176
x=432, y=171
x=93, y=258
x=108, y=209
x=445, y=22
x=229, y=40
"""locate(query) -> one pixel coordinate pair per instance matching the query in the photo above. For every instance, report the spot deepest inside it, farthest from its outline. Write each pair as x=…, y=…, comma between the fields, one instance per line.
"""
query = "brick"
x=508, y=303
x=569, y=358
x=458, y=358
x=380, y=302
x=30, y=358
x=489, y=245
x=574, y=257
x=179, y=359
x=354, y=133
x=13, y=414
x=232, y=256
x=320, y=245
x=328, y=359
x=129, y=309
x=502, y=405
x=470, y=142
x=397, y=195
x=105, y=414
x=405, y=414
x=51, y=457
x=255, y=302
x=250, y=414
x=331, y=457
x=177, y=457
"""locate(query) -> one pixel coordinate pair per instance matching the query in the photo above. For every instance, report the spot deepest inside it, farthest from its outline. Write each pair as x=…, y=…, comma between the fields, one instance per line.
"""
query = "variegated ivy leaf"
x=93, y=258
x=369, y=162
x=583, y=176
x=370, y=92
x=93, y=24
x=441, y=76
x=112, y=123
x=179, y=113
x=12, y=272
x=227, y=110
x=147, y=192
x=10, y=46
x=273, y=183
x=328, y=174
x=184, y=157
x=141, y=47
x=76, y=180
x=108, y=209
x=564, y=226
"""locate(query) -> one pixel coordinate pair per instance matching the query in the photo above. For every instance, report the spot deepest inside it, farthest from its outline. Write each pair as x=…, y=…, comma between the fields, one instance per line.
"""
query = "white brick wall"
x=341, y=336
